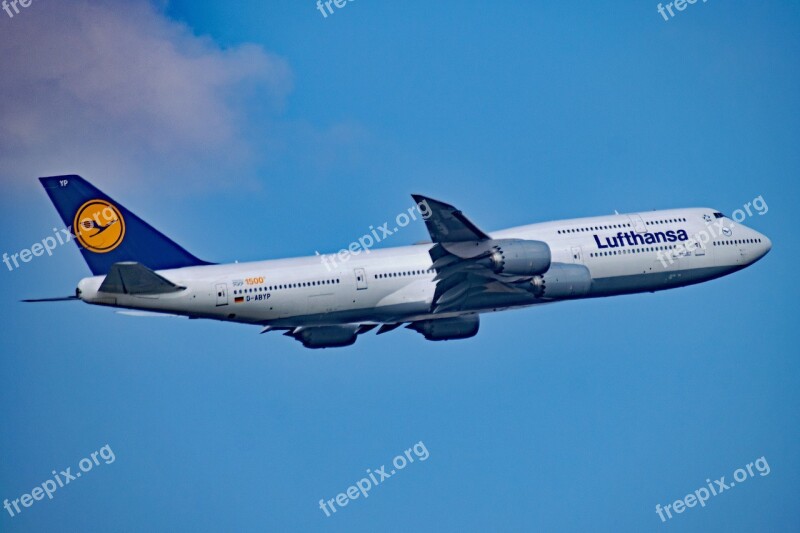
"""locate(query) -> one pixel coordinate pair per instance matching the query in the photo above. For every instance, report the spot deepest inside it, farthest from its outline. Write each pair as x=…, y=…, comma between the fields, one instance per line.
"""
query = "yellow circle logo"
x=99, y=226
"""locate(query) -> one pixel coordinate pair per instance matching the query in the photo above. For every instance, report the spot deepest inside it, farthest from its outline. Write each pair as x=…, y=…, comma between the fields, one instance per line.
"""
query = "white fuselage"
x=397, y=284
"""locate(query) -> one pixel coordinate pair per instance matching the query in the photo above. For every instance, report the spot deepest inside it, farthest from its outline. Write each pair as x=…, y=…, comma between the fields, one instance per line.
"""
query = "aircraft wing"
x=463, y=257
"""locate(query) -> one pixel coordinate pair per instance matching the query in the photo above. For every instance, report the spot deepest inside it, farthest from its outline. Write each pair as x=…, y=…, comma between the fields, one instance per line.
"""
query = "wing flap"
x=461, y=255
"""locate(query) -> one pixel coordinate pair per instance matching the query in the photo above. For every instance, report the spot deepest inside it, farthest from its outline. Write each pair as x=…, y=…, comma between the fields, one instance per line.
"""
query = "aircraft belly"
x=655, y=281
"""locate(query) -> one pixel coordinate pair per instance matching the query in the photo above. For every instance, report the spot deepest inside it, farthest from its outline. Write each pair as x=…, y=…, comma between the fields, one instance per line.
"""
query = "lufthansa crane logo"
x=99, y=226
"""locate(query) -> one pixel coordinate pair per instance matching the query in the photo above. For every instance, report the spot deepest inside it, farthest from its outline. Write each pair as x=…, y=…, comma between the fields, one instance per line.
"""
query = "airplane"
x=438, y=288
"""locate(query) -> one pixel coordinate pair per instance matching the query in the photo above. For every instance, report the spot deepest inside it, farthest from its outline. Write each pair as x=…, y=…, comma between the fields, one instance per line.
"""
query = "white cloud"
x=116, y=91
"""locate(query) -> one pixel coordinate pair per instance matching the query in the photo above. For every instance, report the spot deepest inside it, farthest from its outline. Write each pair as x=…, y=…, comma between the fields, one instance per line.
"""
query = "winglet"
x=448, y=224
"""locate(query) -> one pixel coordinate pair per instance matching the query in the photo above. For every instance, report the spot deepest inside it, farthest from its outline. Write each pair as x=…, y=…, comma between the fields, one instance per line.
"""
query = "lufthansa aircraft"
x=438, y=288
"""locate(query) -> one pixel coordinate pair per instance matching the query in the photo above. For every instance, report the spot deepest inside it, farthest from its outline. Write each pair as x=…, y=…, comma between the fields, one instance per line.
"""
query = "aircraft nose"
x=764, y=245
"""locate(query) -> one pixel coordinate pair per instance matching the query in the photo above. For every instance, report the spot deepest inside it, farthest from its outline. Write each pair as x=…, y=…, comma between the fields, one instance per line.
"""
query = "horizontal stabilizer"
x=136, y=279
x=57, y=299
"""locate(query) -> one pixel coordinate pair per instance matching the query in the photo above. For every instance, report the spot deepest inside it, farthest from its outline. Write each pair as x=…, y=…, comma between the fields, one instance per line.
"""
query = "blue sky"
x=254, y=130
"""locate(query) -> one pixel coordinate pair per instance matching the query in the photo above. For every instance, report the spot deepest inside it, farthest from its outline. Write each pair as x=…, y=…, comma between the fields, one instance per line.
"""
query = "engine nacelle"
x=325, y=336
x=445, y=329
x=519, y=257
x=562, y=281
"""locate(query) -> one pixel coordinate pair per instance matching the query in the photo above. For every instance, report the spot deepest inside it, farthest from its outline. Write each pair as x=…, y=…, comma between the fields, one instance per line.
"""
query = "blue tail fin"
x=107, y=233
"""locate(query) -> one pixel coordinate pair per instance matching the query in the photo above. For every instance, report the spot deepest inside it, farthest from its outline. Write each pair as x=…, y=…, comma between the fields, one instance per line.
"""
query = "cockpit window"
x=719, y=215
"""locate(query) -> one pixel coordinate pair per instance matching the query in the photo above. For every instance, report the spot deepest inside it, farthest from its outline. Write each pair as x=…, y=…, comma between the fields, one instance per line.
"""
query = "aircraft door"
x=361, y=278
x=222, y=294
x=637, y=223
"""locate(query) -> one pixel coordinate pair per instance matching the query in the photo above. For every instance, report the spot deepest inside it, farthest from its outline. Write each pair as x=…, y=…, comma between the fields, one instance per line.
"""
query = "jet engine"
x=563, y=280
x=325, y=336
x=445, y=329
x=520, y=258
